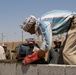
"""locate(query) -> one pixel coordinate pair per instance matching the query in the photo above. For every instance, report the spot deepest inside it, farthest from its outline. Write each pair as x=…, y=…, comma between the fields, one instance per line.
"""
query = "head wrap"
x=28, y=23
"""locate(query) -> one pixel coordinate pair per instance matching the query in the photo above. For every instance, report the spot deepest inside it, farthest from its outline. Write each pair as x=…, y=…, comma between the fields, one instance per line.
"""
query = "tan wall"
x=11, y=45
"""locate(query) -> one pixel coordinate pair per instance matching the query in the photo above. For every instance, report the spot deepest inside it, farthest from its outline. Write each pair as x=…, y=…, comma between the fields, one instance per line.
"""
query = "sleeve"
x=62, y=25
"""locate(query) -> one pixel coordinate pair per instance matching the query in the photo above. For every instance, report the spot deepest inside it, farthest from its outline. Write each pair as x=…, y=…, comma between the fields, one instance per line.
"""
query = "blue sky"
x=13, y=12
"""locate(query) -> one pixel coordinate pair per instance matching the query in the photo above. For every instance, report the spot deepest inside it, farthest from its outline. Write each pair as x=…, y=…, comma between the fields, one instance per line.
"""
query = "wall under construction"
x=36, y=69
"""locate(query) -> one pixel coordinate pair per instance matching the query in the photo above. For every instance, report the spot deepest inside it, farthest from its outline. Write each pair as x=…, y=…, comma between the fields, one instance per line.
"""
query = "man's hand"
x=41, y=53
x=23, y=62
x=30, y=58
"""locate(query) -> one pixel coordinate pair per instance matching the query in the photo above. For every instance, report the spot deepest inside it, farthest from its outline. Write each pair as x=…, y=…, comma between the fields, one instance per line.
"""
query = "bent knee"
x=65, y=54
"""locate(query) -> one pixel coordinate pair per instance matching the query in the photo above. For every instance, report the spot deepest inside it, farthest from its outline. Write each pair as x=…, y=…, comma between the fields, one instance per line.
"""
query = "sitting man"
x=25, y=49
x=2, y=53
x=33, y=45
x=33, y=48
x=7, y=52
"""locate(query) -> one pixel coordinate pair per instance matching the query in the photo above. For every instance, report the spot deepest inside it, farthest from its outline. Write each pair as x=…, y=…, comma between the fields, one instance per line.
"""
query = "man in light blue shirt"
x=53, y=23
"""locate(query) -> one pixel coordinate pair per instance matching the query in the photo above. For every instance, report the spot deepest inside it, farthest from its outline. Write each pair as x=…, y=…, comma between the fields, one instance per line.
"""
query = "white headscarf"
x=2, y=53
x=28, y=22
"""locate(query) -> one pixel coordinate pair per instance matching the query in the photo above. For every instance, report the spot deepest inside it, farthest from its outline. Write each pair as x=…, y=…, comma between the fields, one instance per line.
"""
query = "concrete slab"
x=27, y=69
x=36, y=69
x=51, y=69
x=7, y=69
x=70, y=70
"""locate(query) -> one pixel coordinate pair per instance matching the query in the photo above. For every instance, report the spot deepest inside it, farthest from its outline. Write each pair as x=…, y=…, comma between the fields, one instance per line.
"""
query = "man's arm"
x=33, y=57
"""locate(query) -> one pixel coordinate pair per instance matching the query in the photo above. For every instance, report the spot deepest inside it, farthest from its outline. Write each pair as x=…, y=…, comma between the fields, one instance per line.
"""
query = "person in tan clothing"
x=69, y=51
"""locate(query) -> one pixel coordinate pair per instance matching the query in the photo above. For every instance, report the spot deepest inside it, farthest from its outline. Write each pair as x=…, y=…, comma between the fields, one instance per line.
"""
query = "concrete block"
x=36, y=69
x=7, y=69
x=70, y=70
x=30, y=69
x=51, y=69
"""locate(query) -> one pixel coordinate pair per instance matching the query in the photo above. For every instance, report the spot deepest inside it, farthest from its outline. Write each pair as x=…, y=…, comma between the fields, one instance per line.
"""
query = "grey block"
x=27, y=69
x=36, y=69
x=51, y=69
x=7, y=69
x=70, y=70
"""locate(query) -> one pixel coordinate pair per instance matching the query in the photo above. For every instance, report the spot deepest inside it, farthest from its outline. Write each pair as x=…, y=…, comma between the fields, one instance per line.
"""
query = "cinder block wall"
x=36, y=69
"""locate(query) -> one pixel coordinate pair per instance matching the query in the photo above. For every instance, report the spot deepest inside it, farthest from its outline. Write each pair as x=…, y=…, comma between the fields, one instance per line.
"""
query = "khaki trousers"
x=69, y=51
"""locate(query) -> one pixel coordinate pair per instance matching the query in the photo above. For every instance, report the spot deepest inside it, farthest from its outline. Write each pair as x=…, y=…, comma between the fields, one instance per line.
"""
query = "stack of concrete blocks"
x=36, y=69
